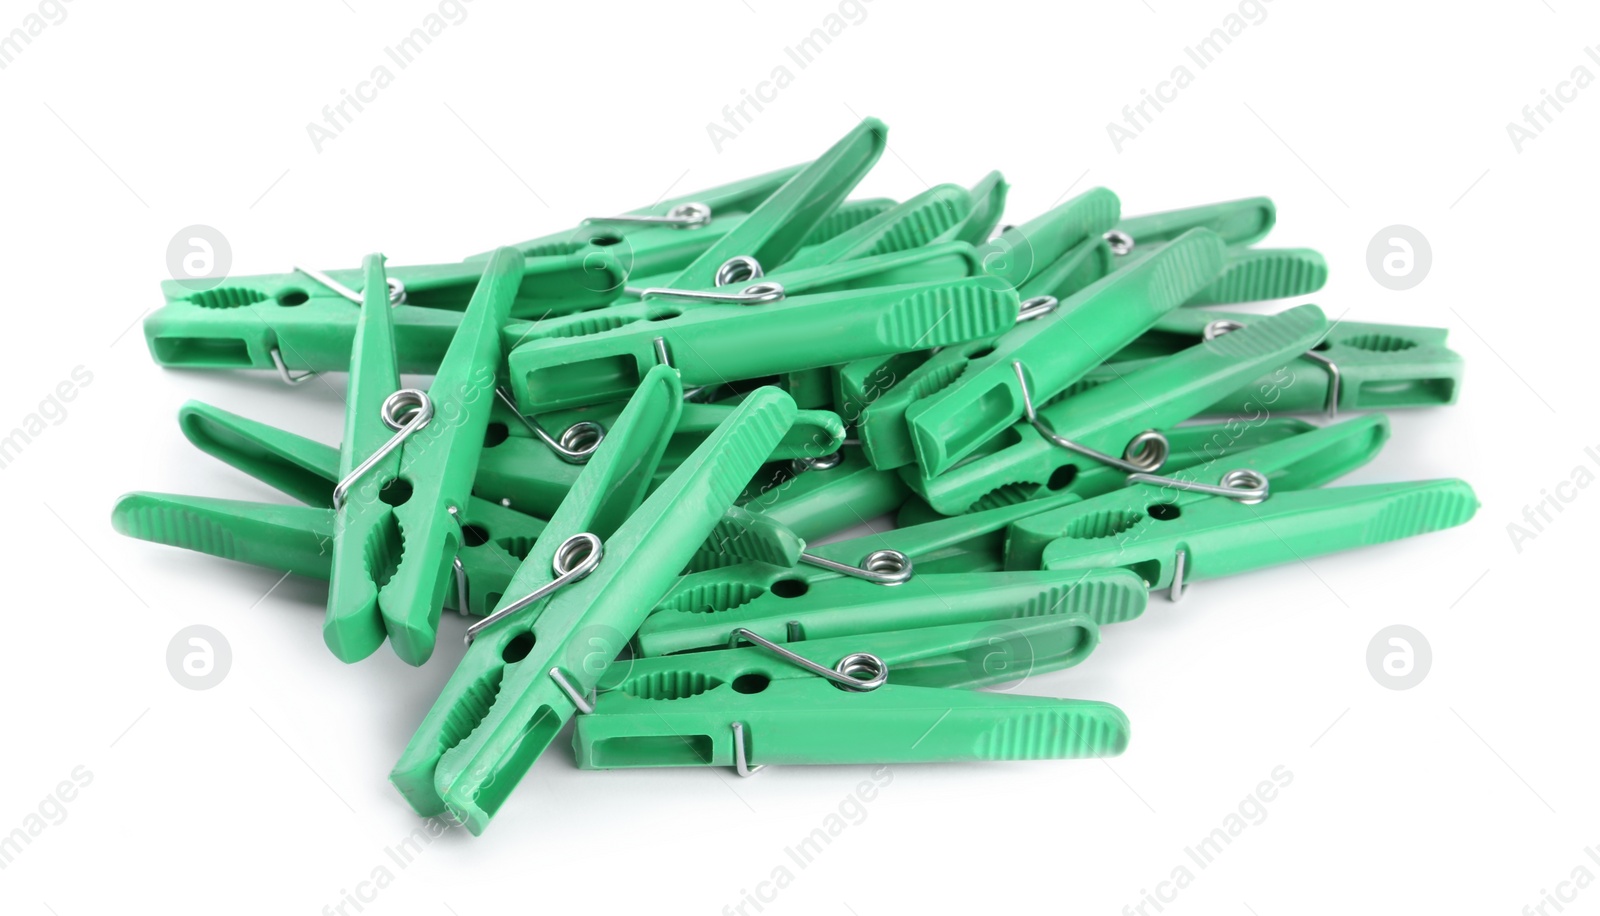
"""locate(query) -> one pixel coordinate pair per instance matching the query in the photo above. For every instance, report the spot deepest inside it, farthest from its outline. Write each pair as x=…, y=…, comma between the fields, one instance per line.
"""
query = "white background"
x=1469, y=793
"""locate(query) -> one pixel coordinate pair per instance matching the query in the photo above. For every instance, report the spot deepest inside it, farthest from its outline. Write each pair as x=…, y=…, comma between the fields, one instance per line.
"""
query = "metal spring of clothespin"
x=858, y=672
x=1145, y=452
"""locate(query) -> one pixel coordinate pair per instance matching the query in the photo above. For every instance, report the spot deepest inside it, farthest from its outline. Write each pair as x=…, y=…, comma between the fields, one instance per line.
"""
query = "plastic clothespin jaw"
x=407, y=466
x=1119, y=425
x=1299, y=462
x=1169, y=545
x=586, y=624
x=793, y=609
x=880, y=698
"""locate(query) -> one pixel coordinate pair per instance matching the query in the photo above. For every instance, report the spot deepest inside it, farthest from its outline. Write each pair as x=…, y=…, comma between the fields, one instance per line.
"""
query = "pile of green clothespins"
x=635, y=429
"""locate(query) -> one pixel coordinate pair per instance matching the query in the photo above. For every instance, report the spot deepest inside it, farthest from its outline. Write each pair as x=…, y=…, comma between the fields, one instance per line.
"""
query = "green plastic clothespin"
x=407, y=465
x=1054, y=351
x=967, y=543
x=306, y=320
x=1299, y=462
x=883, y=698
x=1360, y=366
x=553, y=661
x=605, y=494
x=1188, y=446
x=721, y=343
x=794, y=609
x=1169, y=544
x=1126, y=418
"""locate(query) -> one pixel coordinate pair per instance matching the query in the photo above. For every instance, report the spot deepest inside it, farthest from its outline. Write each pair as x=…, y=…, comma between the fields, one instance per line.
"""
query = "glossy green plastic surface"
x=1239, y=222
x=585, y=625
x=1107, y=418
x=849, y=215
x=988, y=205
x=933, y=215
x=682, y=711
x=818, y=501
x=1219, y=536
x=1300, y=462
x=1022, y=252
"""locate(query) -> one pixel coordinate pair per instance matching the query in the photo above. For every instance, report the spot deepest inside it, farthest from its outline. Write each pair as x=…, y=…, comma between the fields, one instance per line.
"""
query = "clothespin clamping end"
x=407, y=467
